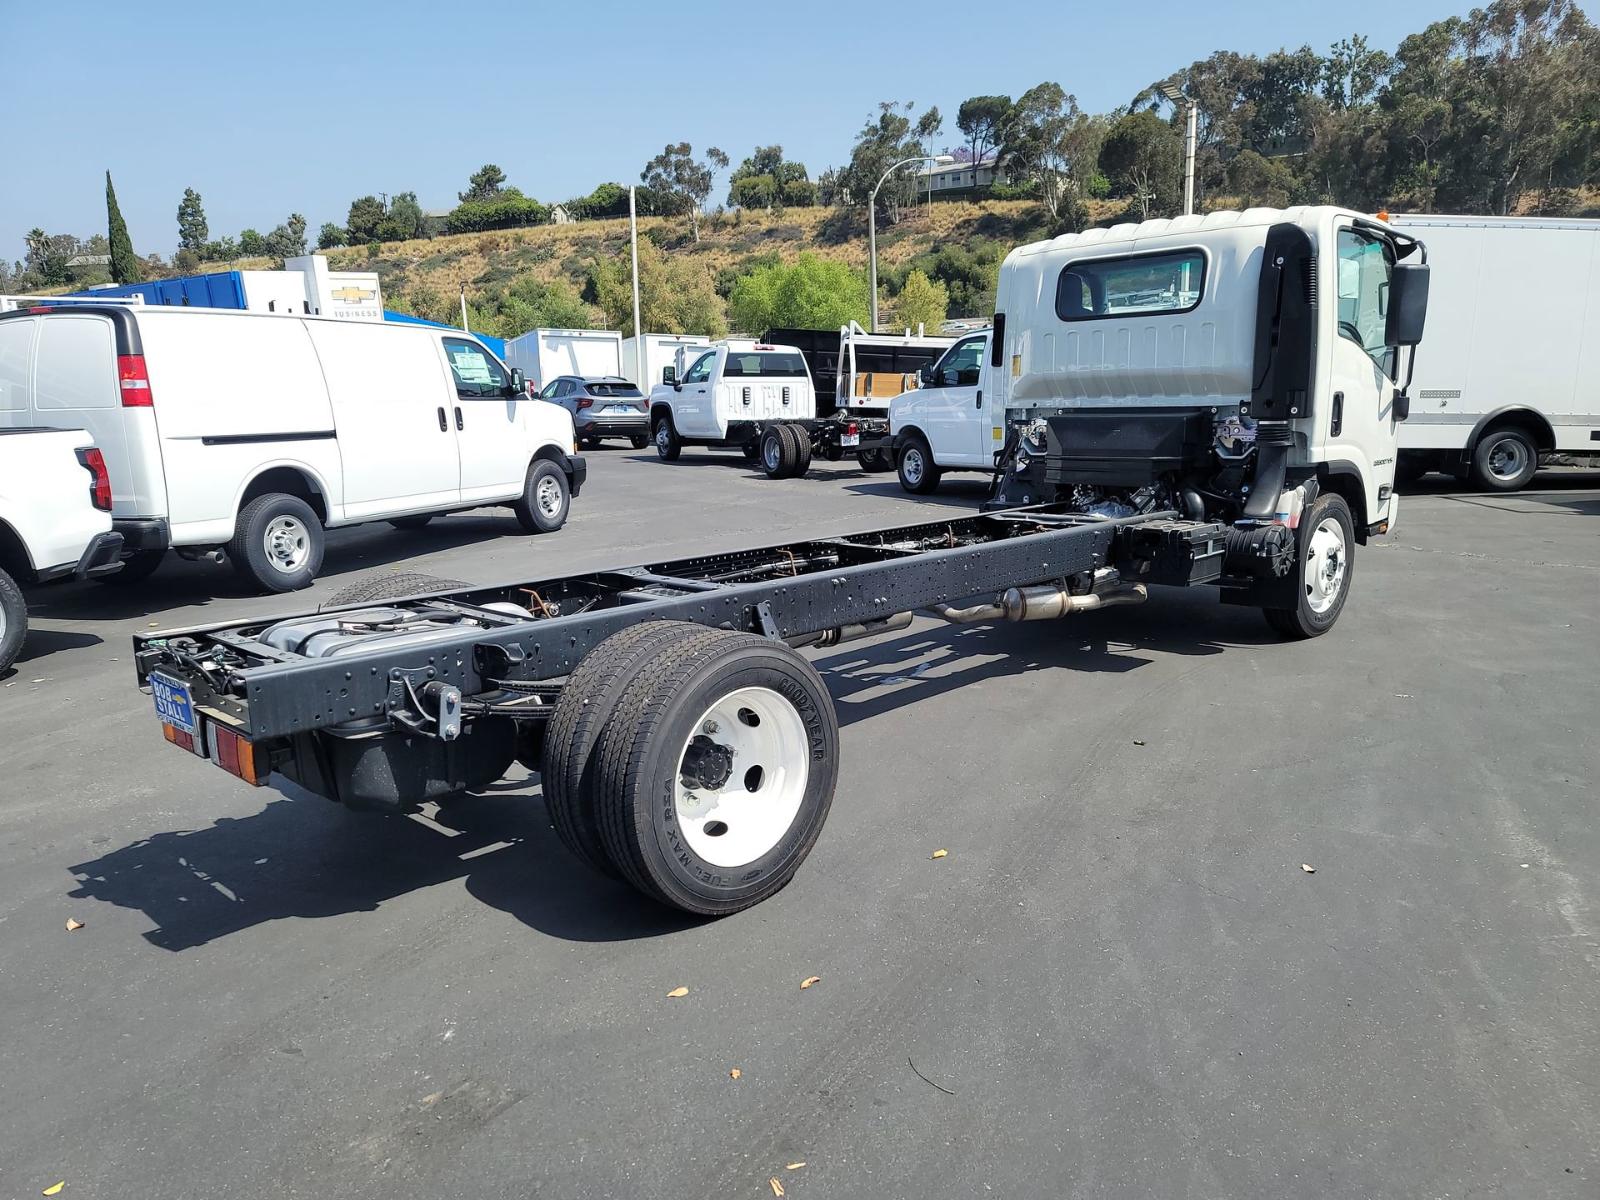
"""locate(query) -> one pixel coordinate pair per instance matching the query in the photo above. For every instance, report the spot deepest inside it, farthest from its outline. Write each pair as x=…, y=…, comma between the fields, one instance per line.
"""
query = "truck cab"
x=945, y=425
x=728, y=393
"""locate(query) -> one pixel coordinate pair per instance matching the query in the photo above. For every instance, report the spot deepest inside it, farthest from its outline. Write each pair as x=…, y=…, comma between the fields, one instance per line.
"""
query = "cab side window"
x=1365, y=266
x=477, y=374
x=959, y=366
x=701, y=371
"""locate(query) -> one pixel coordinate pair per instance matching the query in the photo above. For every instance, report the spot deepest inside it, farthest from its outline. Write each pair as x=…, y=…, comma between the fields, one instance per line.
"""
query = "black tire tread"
x=390, y=587
x=16, y=610
x=802, y=441
x=589, y=696
x=241, y=546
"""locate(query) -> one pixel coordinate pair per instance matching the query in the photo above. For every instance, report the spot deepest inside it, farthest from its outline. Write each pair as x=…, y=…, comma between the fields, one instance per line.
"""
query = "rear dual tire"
x=698, y=764
x=785, y=451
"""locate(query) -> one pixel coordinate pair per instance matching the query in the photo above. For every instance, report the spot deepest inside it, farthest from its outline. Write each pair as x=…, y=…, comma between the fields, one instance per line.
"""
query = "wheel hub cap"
x=1326, y=560
x=548, y=496
x=770, y=454
x=287, y=543
x=739, y=788
x=1507, y=459
x=913, y=466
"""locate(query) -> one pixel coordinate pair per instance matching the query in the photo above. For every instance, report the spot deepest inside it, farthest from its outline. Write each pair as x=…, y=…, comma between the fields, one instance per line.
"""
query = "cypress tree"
x=124, y=263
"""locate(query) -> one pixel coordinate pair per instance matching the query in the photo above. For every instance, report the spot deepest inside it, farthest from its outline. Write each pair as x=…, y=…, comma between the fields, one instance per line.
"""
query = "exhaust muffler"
x=1041, y=603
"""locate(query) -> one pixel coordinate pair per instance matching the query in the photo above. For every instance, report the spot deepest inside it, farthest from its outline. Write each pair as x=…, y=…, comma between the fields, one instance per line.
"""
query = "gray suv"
x=604, y=406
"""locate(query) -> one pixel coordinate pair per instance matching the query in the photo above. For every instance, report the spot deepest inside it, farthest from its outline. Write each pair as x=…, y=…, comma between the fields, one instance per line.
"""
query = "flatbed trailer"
x=682, y=741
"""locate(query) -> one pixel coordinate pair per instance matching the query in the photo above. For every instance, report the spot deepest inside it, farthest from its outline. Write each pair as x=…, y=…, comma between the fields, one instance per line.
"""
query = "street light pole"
x=1174, y=93
x=872, y=222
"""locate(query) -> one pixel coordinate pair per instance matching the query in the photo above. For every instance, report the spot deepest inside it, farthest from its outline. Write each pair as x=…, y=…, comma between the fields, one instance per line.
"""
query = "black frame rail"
x=781, y=591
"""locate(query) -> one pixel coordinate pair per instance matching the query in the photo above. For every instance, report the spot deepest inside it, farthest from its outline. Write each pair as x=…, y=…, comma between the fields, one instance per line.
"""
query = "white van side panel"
x=388, y=385
x=235, y=393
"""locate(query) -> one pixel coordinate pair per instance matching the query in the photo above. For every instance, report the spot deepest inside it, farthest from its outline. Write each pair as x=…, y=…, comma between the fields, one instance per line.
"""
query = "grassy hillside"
x=729, y=245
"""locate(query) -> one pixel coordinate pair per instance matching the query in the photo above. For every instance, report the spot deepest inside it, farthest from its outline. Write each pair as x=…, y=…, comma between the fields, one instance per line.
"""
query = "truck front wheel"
x=668, y=447
x=545, y=499
x=716, y=771
x=919, y=474
x=1324, y=567
x=13, y=621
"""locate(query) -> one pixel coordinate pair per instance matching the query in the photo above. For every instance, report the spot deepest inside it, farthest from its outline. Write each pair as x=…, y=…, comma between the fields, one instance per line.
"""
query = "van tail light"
x=586, y=402
x=133, y=381
x=94, y=462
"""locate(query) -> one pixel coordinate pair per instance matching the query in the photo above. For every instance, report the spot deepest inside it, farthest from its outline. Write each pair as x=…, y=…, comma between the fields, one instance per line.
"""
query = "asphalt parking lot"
x=1120, y=981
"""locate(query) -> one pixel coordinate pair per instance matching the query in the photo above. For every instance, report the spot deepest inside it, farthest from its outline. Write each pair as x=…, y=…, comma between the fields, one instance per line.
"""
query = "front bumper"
x=143, y=533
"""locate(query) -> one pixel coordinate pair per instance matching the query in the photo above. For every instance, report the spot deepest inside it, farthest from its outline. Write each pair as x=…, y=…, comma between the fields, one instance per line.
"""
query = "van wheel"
x=542, y=507
x=277, y=543
x=1504, y=460
x=1325, y=547
x=638, y=441
x=919, y=475
x=419, y=521
x=668, y=447
x=716, y=771
x=13, y=621
x=136, y=568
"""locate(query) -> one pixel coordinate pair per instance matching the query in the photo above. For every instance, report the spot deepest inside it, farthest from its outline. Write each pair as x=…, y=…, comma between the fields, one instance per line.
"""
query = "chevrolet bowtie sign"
x=352, y=295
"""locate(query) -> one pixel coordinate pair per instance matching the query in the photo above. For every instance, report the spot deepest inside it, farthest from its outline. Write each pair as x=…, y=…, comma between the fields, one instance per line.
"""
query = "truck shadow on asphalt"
x=304, y=857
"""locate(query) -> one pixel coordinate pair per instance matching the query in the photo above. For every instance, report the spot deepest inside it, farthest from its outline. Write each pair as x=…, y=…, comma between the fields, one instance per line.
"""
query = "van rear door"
x=75, y=387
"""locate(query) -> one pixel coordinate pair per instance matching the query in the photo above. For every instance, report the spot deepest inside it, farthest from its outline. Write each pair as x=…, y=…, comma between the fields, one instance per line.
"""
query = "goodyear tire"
x=716, y=771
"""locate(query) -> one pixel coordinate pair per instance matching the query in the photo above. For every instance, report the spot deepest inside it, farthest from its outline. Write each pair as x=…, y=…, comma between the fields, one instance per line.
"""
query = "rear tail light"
x=586, y=402
x=851, y=430
x=181, y=739
x=133, y=381
x=236, y=755
x=100, y=480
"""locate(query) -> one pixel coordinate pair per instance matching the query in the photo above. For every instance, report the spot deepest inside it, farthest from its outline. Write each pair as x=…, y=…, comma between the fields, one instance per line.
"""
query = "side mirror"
x=1408, y=305
x=669, y=374
x=518, y=383
x=925, y=375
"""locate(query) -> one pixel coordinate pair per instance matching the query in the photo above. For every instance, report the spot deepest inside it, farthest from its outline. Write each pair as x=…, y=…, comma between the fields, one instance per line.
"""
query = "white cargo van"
x=249, y=433
x=543, y=354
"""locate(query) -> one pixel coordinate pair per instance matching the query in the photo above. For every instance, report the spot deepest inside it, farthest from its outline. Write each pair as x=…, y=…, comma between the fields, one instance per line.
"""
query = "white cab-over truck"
x=55, y=518
x=1209, y=401
x=244, y=435
x=1511, y=371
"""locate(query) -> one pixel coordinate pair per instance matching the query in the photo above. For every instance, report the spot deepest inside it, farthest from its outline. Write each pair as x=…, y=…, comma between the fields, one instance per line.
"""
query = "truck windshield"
x=1365, y=265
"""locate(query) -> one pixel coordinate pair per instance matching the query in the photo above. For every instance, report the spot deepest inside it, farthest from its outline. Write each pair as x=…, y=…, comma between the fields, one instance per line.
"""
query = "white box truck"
x=543, y=354
x=1511, y=371
x=647, y=358
x=243, y=435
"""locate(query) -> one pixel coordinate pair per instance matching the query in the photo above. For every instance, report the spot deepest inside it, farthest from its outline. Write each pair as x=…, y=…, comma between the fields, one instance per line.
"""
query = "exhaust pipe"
x=1042, y=603
x=851, y=633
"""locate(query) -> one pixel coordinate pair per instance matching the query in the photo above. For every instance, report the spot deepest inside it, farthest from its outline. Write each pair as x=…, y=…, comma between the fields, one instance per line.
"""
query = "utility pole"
x=633, y=239
x=872, y=220
x=464, y=328
x=1190, y=124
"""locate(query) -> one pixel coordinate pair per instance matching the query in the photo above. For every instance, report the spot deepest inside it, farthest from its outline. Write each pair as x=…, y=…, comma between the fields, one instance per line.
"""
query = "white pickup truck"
x=55, y=520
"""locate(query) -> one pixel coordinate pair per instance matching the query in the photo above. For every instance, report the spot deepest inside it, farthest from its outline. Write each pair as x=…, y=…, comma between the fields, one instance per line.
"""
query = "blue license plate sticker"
x=174, y=705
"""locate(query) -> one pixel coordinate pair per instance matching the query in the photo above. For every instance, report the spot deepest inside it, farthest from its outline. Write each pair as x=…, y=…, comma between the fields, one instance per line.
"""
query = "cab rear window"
x=762, y=364
x=1137, y=285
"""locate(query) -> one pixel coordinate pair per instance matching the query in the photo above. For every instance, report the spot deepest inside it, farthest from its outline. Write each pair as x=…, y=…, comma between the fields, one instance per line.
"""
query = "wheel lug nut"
x=709, y=727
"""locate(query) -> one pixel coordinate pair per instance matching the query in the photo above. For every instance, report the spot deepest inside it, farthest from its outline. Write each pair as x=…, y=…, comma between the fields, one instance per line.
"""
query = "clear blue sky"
x=268, y=108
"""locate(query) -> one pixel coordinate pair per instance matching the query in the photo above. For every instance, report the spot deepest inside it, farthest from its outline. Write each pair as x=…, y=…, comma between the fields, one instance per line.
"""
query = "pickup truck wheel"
x=802, y=450
x=1504, y=460
x=543, y=505
x=567, y=761
x=136, y=568
x=13, y=621
x=716, y=771
x=875, y=461
x=665, y=436
x=419, y=521
x=777, y=452
x=1325, y=565
x=277, y=543
x=390, y=587
x=919, y=475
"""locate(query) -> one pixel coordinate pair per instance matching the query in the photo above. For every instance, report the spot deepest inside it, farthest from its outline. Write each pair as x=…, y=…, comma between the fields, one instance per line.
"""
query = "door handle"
x=459, y=425
x=444, y=425
x=980, y=398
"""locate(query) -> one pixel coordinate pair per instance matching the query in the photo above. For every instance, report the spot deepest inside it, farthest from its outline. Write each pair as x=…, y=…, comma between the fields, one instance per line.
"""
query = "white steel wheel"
x=287, y=543
x=1507, y=458
x=741, y=777
x=547, y=495
x=1326, y=559
x=772, y=453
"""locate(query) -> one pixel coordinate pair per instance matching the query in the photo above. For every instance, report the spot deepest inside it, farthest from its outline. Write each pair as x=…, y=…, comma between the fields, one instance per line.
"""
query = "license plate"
x=619, y=410
x=850, y=439
x=174, y=705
